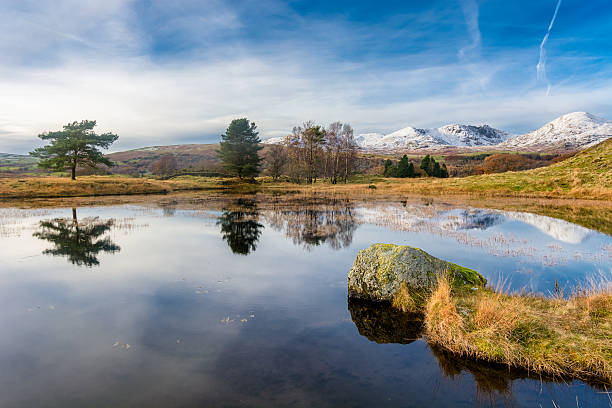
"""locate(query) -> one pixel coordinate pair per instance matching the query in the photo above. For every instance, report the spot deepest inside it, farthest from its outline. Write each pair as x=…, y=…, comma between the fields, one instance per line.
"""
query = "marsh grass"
x=587, y=175
x=559, y=336
x=51, y=187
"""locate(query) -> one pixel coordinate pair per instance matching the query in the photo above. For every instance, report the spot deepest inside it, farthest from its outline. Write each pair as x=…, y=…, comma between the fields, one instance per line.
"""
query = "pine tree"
x=240, y=148
x=436, y=169
x=411, y=172
x=76, y=145
x=426, y=164
x=444, y=171
x=403, y=167
x=389, y=168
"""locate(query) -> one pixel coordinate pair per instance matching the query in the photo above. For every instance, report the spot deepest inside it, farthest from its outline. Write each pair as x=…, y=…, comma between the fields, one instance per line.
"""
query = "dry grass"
x=554, y=336
x=587, y=175
x=405, y=301
x=47, y=187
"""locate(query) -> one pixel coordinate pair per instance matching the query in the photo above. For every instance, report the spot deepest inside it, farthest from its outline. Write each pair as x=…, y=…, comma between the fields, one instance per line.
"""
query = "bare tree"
x=275, y=160
x=314, y=151
x=348, y=148
x=305, y=150
x=165, y=165
x=333, y=149
x=313, y=137
x=295, y=155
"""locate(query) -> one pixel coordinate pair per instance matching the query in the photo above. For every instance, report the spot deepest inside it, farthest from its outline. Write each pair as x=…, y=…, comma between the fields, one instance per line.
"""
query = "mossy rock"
x=383, y=272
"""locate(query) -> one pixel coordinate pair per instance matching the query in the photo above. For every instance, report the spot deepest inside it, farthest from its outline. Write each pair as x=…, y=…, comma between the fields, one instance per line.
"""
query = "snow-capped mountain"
x=449, y=135
x=575, y=130
x=572, y=131
x=274, y=140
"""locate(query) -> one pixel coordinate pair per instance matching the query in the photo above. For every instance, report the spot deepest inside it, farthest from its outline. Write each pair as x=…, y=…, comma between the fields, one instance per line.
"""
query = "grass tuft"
x=554, y=336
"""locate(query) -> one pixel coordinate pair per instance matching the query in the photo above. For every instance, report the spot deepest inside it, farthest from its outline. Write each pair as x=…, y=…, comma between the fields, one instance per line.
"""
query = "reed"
x=558, y=336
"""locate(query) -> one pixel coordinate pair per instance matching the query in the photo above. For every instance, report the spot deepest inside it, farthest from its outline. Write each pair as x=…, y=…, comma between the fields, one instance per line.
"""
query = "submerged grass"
x=564, y=337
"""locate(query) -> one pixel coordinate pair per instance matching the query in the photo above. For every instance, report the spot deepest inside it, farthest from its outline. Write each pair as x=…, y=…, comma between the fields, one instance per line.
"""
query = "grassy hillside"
x=17, y=164
x=140, y=161
x=588, y=174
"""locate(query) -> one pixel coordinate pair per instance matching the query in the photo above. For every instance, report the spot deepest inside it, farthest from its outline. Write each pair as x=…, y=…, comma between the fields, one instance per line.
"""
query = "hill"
x=588, y=174
x=450, y=135
x=17, y=164
x=140, y=161
x=570, y=132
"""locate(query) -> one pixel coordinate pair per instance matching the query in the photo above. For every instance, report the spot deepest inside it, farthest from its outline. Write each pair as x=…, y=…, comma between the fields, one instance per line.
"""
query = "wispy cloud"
x=541, y=67
x=470, y=11
x=162, y=73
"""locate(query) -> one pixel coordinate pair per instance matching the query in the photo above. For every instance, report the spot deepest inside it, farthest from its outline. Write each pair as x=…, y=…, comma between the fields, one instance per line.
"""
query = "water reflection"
x=240, y=226
x=168, y=208
x=383, y=324
x=276, y=332
x=332, y=222
x=79, y=241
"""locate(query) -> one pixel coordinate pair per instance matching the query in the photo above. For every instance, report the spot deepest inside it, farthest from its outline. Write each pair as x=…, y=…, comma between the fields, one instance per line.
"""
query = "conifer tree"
x=76, y=145
x=240, y=148
x=403, y=167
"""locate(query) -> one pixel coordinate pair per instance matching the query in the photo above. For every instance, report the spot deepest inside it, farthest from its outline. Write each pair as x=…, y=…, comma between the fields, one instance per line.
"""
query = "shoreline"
x=98, y=186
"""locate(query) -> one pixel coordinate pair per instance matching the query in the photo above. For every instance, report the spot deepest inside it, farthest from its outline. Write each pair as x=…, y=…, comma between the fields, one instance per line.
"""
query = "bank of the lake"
x=561, y=335
x=587, y=175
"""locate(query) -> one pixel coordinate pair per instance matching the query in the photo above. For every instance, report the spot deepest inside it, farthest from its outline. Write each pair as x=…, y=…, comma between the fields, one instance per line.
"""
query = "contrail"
x=541, y=67
x=470, y=12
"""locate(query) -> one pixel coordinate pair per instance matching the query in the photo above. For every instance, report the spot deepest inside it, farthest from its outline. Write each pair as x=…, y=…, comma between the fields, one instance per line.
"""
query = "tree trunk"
x=73, y=172
x=74, y=216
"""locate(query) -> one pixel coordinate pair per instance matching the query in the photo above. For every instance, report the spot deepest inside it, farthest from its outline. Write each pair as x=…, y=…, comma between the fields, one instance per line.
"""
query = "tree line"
x=405, y=168
x=309, y=153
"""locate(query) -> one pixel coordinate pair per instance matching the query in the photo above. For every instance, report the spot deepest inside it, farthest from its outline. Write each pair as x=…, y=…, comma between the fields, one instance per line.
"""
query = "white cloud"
x=63, y=69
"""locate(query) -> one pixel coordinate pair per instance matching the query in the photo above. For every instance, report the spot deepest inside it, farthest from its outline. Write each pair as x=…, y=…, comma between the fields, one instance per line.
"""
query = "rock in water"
x=400, y=274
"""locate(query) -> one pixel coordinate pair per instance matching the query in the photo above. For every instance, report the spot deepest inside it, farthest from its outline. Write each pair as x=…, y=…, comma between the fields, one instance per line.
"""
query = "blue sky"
x=161, y=72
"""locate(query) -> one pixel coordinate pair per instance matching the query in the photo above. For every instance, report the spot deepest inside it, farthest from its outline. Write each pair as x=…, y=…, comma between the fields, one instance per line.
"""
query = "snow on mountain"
x=449, y=135
x=558, y=229
x=572, y=131
x=274, y=140
x=575, y=130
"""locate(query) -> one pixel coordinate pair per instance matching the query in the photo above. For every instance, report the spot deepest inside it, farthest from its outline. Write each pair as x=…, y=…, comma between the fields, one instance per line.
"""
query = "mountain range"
x=573, y=131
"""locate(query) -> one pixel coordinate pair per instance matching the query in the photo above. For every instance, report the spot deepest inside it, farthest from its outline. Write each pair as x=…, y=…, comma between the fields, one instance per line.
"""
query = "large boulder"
x=403, y=275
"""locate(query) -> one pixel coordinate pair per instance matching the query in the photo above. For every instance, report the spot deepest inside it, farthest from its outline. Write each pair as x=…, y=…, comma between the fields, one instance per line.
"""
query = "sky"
x=160, y=72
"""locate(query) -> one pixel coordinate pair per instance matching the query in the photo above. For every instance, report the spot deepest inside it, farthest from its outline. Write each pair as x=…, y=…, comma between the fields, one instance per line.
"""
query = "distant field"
x=17, y=164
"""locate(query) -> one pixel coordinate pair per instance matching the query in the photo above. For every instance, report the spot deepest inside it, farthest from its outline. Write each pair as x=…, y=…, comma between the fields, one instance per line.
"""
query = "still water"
x=239, y=302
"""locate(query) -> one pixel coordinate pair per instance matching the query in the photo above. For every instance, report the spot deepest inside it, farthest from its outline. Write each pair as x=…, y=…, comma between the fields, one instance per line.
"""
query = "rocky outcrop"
x=403, y=275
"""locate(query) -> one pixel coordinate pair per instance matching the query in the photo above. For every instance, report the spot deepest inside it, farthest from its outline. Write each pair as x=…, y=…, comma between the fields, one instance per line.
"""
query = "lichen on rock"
x=388, y=273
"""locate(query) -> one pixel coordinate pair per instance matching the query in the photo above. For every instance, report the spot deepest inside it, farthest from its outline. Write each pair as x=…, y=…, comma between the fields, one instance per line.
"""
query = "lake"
x=242, y=301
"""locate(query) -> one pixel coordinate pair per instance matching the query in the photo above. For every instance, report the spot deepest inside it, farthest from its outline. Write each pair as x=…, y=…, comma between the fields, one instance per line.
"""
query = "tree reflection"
x=332, y=222
x=240, y=226
x=79, y=241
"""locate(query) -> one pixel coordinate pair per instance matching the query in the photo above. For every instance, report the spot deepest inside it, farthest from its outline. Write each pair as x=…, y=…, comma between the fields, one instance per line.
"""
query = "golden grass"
x=553, y=336
x=48, y=187
x=587, y=175
x=404, y=300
